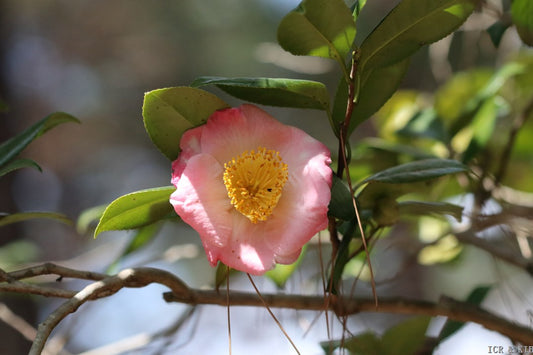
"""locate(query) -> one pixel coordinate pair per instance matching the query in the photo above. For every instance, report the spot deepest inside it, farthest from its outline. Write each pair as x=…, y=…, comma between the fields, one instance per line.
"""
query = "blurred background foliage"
x=96, y=59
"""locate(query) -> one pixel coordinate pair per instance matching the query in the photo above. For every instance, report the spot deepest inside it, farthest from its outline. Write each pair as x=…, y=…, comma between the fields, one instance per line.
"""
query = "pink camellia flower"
x=255, y=189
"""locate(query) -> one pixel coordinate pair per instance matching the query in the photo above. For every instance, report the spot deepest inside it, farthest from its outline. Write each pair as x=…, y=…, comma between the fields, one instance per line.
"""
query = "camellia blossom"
x=255, y=190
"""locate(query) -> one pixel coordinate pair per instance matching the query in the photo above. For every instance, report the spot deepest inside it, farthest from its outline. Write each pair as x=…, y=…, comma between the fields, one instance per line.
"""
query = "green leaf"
x=6, y=219
x=169, y=112
x=419, y=170
x=13, y=146
x=88, y=218
x=374, y=92
x=143, y=236
x=406, y=337
x=341, y=204
x=362, y=344
x=322, y=28
x=272, y=91
x=19, y=164
x=443, y=250
x=522, y=16
x=136, y=209
x=425, y=124
x=377, y=86
x=475, y=297
x=409, y=26
x=458, y=97
x=483, y=125
x=496, y=31
x=281, y=273
x=420, y=208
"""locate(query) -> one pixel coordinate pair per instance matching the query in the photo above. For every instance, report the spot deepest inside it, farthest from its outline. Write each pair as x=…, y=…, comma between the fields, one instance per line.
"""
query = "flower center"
x=254, y=181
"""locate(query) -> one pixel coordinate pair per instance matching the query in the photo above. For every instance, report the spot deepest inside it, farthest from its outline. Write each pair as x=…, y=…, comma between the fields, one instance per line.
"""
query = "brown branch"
x=180, y=292
x=139, y=277
x=505, y=254
x=446, y=307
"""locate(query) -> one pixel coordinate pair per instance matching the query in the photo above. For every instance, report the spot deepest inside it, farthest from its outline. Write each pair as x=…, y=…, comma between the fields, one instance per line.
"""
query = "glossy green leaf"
x=6, y=219
x=272, y=91
x=281, y=273
x=322, y=28
x=136, y=209
x=341, y=204
x=475, y=297
x=169, y=112
x=19, y=164
x=421, y=208
x=522, y=16
x=13, y=146
x=419, y=170
x=409, y=26
x=406, y=337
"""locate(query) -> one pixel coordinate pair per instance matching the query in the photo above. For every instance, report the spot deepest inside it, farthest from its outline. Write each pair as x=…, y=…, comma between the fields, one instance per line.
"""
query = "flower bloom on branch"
x=255, y=190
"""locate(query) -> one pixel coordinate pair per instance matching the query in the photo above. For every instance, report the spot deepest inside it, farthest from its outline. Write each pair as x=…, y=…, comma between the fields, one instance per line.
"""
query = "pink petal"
x=190, y=146
x=201, y=200
x=230, y=132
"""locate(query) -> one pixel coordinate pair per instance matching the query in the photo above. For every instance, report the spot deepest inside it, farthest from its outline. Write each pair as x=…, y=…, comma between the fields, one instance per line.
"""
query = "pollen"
x=254, y=181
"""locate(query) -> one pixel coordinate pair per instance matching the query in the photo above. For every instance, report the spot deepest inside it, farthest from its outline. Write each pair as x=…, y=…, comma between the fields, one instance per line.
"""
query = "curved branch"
x=139, y=277
x=180, y=292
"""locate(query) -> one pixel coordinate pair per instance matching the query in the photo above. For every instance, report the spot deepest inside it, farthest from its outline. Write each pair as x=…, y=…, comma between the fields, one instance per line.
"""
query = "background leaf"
x=19, y=164
x=322, y=28
x=13, y=146
x=169, y=112
x=281, y=272
x=136, y=209
x=522, y=16
x=419, y=170
x=406, y=337
x=409, y=26
x=6, y=219
x=272, y=91
x=420, y=208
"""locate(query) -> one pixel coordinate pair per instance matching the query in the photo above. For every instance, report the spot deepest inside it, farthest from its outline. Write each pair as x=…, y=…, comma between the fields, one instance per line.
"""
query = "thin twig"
x=272, y=314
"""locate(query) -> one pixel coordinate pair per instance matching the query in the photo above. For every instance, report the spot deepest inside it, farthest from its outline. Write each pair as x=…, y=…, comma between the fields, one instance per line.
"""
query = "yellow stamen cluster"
x=254, y=181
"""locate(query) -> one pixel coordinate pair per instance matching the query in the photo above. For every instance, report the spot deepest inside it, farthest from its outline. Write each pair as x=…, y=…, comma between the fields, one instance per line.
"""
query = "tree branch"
x=343, y=306
x=448, y=307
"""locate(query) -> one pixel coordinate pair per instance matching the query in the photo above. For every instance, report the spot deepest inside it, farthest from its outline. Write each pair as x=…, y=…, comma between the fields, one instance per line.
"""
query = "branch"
x=139, y=277
x=343, y=306
x=468, y=237
x=447, y=307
